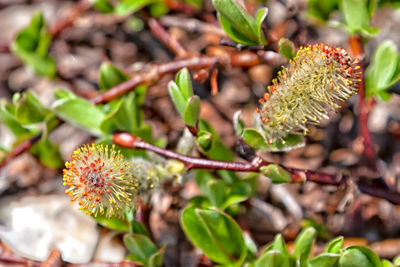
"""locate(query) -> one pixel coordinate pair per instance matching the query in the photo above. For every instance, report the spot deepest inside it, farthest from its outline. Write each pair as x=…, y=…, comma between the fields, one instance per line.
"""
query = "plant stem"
x=127, y=140
x=364, y=105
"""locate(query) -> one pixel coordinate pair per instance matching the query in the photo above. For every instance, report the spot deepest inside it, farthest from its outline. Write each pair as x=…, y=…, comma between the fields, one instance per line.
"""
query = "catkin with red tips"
x=308, y=90
x=101, y=180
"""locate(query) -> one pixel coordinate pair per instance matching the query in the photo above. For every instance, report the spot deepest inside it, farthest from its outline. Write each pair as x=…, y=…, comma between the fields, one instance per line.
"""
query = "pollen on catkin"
x=312, y=86
x=100, y=179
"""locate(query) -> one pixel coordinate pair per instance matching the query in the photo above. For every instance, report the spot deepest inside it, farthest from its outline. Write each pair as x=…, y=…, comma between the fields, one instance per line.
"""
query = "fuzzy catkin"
x=101, y=180
x=316, y=80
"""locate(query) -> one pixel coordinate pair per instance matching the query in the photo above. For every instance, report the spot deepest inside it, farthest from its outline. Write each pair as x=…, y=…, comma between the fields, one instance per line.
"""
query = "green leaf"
x=216, y=192
x=192, y=111
x=140, y=247
x=276, y=173
x=236, y=22
x=280, y=245
x=130, y=6
x=383, y=71
x=110, y=76
x=156, y=260
x=138, y=228
x=29, y=110
x=254, y=138
x=304, y=243
x=80, y=112
x=184, y=83
x=216, y=234
x=324, y=260
x=359, y=256
x=7, y=117
x=286, y=48
x=113, y=223
x=272, y=258
x=261, y=25
x=177, y=97
x=104, y=6
x=335, y=245
x=48, y=153
x=386, y=263
x=204, y=140
x=357, y=15
x=31, y=45
x=232, y=200
x=322, y=9
x=396, y=261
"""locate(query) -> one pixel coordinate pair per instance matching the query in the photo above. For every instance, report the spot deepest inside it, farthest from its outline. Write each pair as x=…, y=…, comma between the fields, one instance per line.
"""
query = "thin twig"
x=297, y=175
x=158, y=31
x=67, y=20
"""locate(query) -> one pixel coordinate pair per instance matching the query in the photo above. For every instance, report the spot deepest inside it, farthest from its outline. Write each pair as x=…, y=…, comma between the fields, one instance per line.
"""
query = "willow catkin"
x=101, y=180
x=311, y=87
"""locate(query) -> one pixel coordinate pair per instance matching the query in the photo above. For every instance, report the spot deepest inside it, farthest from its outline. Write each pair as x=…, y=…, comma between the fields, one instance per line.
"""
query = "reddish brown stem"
x=158, y=30
x=364, y=105
x=297, y=175
x=128, y=140
x=66, y=21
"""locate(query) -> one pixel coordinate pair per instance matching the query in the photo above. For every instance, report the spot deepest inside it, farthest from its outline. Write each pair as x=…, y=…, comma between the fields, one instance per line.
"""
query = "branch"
x=158, y=31
x=379, y=190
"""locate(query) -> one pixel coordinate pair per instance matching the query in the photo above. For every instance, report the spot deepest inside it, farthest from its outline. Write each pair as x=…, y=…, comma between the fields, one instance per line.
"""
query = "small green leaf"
x=29, y=110
x=304, y=243
x=324, y=260
x=140, y=247
x=184, y=83
x=131, y=6
x=254, y=138
x=272, y=258
x=204, y=140
x=356, y=14
x=104, y=6
x=280, y=245
x=236, y=22
x=286, y=48
x=383, y=71
x=216, y=192
x=177, y=97
x=31, y=45
x=192, y=112
x=217, y=234
x=7, y=117
x=335, y=245
x=156, y=260
x=322, y=9
x=276, y=173
x=48, y=153
x=112, y=223
x=386, y=263
x=80, y=112
x=110, y=76
x=138, y=228
x=261, y=25
x=396, y=261
x=359, y=256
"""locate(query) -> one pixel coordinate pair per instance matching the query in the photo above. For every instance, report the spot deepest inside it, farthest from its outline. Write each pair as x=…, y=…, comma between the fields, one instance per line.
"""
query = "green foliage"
x=78, y=111
x=357, y=15
x=110, y=76
x=216, y=233
x=276, y=173
x=383, y=71
x=241, y=27
x=322, y=9
x=103, y=6
x=142, y=250
x=286, y=48
x=181, y=92
x=31, y=45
